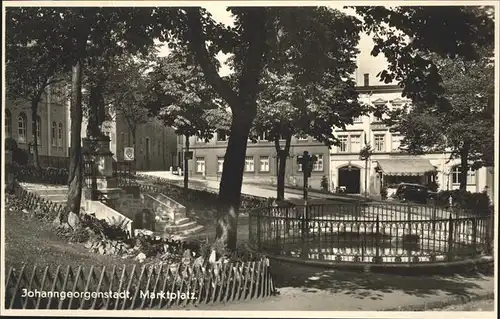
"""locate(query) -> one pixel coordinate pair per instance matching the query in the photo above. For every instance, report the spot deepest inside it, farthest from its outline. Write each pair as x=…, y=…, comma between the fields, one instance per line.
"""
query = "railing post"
x=377, y=240
x=258, y=228
x=450, y=238
x=474, y=236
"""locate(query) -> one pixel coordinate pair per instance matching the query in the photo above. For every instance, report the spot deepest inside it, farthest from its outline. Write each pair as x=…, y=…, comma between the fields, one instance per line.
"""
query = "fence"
x=54, y=161
x=125, y=173
x=351, y=233
x=132, y=287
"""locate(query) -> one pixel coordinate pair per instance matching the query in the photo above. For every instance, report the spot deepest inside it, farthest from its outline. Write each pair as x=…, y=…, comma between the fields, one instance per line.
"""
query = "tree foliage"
x=465, y=128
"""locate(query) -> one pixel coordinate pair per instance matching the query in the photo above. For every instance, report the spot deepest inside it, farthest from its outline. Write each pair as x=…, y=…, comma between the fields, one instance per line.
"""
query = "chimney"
x=366, y=79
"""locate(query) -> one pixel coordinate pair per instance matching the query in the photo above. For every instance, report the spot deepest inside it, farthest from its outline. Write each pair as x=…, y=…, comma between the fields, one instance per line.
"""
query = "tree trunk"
x=75, y=179
x=243, y=107
x=133, y=132
x=464, y=167
x=282, y=156
x=231, y=182
x=34, y=116
x=186, y=165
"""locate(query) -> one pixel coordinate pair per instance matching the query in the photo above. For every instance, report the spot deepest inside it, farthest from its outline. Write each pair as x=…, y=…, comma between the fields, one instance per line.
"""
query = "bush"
x=477, y=202
x=10, y=144
x=383, y=193
x=20, y=156
x=324, y=184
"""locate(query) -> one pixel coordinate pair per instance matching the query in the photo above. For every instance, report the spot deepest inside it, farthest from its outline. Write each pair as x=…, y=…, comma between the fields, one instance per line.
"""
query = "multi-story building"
x=388, y=165
x=261, y=162
x=52, y=121
x=156, y=144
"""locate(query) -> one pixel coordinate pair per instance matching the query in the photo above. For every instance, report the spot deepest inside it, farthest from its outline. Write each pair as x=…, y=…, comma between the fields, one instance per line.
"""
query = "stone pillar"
x=98, y=151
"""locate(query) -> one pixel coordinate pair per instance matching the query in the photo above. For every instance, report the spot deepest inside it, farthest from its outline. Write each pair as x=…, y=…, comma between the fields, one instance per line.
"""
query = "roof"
x=405, y=166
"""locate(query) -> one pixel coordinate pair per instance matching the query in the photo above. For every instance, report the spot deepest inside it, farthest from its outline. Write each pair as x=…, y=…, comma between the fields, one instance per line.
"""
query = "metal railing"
x=367, y=233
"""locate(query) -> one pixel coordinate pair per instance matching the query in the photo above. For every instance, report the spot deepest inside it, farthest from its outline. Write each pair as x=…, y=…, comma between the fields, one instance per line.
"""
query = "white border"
x=253, y=314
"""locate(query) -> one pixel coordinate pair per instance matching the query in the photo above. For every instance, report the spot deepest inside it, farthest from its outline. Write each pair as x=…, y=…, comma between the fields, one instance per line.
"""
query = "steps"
x=57, y=194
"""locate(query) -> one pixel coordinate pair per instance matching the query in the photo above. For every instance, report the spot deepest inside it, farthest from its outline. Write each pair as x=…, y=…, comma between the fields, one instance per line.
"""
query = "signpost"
x=307, y=162
x=128, y=154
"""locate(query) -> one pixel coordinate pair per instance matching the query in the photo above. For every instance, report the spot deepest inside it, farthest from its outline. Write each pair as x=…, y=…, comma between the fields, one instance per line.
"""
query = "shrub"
x=20, y=156
x=476, y=202
x=324, y=184
x=383, y=193
x=10, y=144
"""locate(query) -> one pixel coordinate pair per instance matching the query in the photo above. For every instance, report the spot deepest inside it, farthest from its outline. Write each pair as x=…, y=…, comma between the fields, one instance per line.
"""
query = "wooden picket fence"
x=136, y=287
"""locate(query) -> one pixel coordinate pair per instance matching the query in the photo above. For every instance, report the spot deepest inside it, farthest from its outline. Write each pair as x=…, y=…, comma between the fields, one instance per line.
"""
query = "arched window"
x=457, y=172
x=54, y=134
x=60, y=135
x=22, y=122
x=8, y=123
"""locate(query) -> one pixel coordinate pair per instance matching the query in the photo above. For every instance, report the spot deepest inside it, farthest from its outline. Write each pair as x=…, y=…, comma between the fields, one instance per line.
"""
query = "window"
x=318, y=165
x=249, y=164
x=220, y=164
x=396, y=142
x=457, y=172
x=60, y=135
x=343, y=144
x=379, y=143
x=200, y=165
x=355, y=143
x=264, y=164
x=263, y=136
x=221, y=136
x=22, y=122
x=53, y=137
x=200, y=140
x=8, y=123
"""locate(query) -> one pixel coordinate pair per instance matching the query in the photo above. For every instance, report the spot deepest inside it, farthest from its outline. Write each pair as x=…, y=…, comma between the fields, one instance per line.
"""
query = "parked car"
x=414, y=193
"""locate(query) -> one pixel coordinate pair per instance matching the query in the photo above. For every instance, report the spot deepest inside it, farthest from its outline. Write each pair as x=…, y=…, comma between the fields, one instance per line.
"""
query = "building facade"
x=52, y=127
x=260, y=163
x=156, y=144
x=388, y=165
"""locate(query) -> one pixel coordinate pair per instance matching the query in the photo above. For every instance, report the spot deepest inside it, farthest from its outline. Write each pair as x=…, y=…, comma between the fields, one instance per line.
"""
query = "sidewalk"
x=251, y=189
x=314, y=289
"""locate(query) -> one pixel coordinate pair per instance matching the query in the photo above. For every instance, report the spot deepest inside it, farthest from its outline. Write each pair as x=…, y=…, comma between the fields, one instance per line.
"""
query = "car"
x=414, y=193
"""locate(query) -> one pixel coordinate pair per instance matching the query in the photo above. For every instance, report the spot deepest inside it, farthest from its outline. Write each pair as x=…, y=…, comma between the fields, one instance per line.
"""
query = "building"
x=388, y=165
x=156, y=144
x=261, y=161
x=53, y=115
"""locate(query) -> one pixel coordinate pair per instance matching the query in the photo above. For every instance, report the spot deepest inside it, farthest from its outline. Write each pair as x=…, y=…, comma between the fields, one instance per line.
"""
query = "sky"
x=366, y=62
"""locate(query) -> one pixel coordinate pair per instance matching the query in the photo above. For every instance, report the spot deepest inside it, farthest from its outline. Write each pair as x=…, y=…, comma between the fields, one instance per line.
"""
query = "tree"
x=30, y=71
x=365, y=154
x=464, y=126
x=74, y=35
x=247, y=40
x=301, y=98
x=182, y=99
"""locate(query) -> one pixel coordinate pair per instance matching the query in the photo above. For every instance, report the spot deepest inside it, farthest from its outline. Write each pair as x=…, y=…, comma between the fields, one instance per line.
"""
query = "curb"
x=483, y=264
x=444, y=303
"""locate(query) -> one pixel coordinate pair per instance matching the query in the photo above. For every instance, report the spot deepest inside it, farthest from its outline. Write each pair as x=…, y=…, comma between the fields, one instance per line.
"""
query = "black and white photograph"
x=250, y=158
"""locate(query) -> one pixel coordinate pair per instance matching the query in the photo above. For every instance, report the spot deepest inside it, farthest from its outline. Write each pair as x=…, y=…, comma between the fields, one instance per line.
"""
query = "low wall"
x=102, y=211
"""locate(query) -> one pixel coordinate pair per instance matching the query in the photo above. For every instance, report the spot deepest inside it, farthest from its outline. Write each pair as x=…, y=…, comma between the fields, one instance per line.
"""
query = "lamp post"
x=307, y=162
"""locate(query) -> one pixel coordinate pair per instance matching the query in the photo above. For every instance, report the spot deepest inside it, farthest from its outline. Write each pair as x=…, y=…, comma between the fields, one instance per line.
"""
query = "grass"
x=30, y=241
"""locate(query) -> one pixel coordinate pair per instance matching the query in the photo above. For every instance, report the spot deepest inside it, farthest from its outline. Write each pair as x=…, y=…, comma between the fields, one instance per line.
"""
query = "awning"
x=405, y=166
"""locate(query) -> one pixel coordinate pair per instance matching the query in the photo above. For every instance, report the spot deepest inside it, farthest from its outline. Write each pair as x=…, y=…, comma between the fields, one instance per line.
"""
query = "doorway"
x=350, y=179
